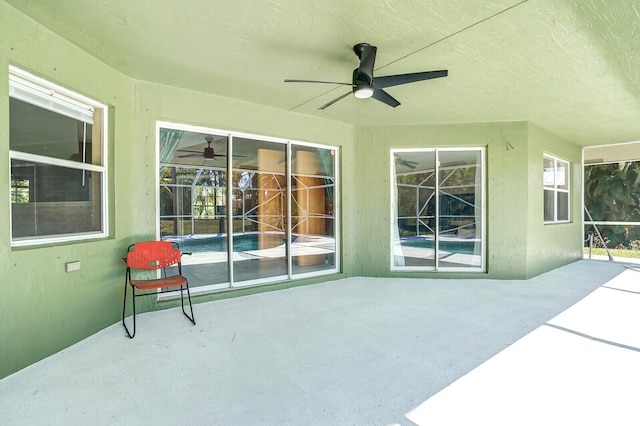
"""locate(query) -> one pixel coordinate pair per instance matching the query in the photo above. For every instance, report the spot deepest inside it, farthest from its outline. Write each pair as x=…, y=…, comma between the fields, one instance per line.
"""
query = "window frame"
x=555, y=189
x=289, y=145
x=438, y=191
x=36, y=91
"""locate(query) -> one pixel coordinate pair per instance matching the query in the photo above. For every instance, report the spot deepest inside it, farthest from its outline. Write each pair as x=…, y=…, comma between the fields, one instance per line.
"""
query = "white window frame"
x=44, y=94
x=232, y=285
x=482, y=268
x=555, y=188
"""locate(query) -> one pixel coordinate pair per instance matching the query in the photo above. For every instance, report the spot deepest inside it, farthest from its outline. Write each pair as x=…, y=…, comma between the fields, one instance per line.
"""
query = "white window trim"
x=37, y=91
x=17, y=155
x=231, y=135
x=42, y=93
x=393, y=210
x=557, y=190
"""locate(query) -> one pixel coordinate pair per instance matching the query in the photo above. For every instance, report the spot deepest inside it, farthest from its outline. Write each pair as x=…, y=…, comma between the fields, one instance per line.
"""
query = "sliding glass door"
x=415, y=209
x=192, y=199
x=313, y=220
x=274, y=220
x=259, y=218
x=438, y=210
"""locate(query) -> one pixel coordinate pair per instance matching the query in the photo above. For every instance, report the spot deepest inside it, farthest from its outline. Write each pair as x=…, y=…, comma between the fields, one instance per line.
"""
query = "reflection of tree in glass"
x=459, y=176
x=19, y=190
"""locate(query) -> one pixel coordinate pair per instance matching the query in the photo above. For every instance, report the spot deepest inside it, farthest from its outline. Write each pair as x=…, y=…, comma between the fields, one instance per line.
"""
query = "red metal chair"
x=148, y=256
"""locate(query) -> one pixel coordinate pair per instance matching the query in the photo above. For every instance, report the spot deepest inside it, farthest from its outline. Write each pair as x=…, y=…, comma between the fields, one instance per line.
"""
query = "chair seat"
x=173, y=281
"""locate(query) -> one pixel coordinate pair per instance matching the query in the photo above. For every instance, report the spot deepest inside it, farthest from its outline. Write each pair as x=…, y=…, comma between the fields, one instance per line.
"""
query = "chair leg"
x=124, y=305
x=191, y=318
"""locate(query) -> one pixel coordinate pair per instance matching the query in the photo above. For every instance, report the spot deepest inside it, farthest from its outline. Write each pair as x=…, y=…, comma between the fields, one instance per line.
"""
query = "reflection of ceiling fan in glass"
x=208, y=153
x=406, y=163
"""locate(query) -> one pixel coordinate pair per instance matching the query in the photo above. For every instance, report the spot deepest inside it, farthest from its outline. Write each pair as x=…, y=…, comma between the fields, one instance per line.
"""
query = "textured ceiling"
x=570, y=66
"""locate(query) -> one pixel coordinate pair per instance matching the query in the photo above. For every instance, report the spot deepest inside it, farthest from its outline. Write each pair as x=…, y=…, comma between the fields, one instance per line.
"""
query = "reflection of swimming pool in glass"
x=241, y=242
x=454, y=246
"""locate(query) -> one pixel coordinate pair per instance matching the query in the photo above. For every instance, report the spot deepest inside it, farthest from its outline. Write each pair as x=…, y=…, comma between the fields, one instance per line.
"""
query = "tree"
x=612, y=193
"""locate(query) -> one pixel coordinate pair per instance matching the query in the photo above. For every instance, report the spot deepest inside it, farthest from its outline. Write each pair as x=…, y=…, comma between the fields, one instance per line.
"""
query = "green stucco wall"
x=43, y=309
x=506, y=179
x=519, y=245
x=551, y=246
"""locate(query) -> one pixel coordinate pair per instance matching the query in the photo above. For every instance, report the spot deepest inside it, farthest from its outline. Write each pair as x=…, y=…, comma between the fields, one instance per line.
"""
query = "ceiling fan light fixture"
x=363, y=92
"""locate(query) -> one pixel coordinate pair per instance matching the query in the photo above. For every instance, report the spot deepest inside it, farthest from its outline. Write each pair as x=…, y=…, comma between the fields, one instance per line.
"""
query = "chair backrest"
x=152, y=255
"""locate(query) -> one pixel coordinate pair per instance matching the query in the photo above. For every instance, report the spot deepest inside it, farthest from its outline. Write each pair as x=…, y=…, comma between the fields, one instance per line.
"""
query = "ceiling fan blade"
x=396, y=80
x=190, y=150
x=409, y=164
x=384, y=97
x=198, y=155
x=367, y=55
x=328, y=104
x=317, y=81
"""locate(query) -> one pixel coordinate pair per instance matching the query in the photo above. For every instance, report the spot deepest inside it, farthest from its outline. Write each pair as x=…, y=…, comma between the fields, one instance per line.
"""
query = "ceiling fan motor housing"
x=208, y=153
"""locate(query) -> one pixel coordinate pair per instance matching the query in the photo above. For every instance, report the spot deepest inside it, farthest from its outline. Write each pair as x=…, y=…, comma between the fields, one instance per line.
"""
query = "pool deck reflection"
x=424, y=256
x=210, y=267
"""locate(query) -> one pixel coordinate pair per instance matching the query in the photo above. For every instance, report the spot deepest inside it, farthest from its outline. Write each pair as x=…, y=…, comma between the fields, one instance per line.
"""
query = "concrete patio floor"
x=558, y=349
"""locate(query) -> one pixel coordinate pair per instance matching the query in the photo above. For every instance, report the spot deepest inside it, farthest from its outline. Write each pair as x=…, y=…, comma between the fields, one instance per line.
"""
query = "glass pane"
x=460, y=212
x=549, y=205
x=53, y=200
x=562, y=174
x=414, y=208
x=313, y=244
x=36, y=130
x=259, y=210
x=407, y=194
x=195, y=149
x=175, y=202
x=194, y=211
x=563, y=206
x=193, y=203
x=548, y=174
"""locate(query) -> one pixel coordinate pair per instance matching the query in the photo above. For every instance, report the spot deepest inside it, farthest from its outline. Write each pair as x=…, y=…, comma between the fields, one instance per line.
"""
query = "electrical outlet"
x=72, y=266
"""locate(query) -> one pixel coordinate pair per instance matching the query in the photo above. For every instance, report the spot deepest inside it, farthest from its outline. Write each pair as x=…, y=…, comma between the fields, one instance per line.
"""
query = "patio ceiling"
x=569, y=66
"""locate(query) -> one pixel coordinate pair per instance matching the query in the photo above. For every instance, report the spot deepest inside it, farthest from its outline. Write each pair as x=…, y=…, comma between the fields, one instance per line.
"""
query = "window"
x=556, y=189
x=57, y=152
x=251, y=209
x=438, y=210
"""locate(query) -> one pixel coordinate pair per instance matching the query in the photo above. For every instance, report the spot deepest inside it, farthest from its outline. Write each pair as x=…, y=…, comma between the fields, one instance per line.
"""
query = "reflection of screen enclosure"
x=277, y=219
x=438, y=206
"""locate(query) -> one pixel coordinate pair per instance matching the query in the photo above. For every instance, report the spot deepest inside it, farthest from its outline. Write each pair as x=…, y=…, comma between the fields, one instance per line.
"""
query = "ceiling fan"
x=365, y=85
x=208, y=152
